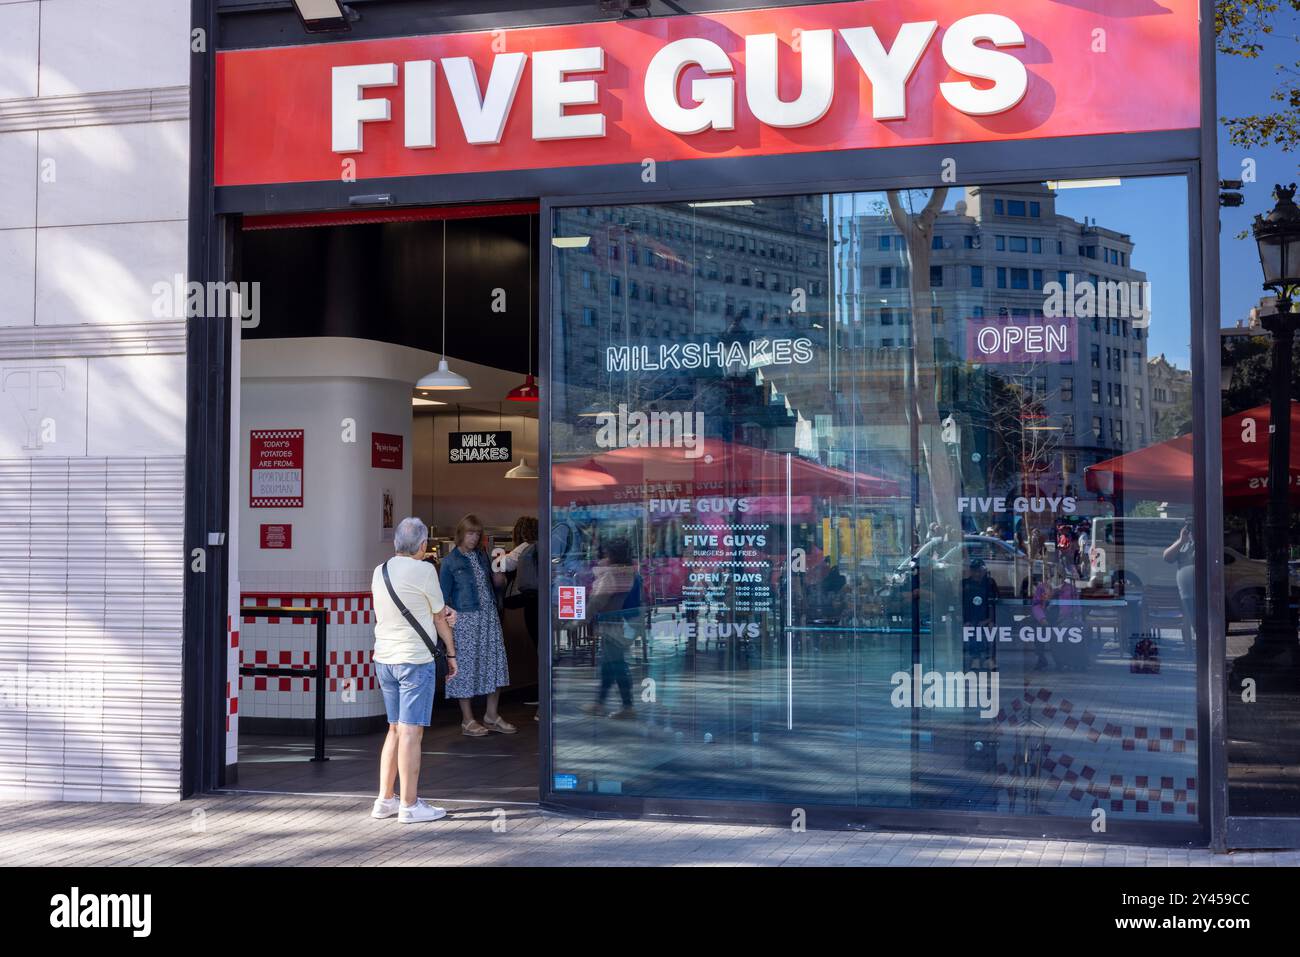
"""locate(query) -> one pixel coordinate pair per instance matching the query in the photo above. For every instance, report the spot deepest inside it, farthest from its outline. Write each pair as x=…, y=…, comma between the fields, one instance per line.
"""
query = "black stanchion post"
x=320, y=671
x=321, y=667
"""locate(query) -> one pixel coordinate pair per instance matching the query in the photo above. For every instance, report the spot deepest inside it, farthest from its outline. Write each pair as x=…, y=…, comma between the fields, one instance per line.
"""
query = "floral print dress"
x=480, y=646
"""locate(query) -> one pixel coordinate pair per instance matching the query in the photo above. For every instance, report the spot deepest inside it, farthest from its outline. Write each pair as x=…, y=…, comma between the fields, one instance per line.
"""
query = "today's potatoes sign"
x=788, y=80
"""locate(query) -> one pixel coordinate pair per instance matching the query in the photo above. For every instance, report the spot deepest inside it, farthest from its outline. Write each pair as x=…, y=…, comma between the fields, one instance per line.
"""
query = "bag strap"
x=409, y=616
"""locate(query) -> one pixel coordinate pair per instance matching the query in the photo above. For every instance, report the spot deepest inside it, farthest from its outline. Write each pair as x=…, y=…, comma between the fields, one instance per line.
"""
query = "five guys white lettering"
x=971, y=46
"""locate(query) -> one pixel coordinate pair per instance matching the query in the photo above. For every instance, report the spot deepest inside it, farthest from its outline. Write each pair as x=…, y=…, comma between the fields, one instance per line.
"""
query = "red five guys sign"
x=760, y=82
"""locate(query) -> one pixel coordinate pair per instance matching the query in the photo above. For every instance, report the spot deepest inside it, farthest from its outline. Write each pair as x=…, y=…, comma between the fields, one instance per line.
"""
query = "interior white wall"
x=338, y=531
x=314, y=384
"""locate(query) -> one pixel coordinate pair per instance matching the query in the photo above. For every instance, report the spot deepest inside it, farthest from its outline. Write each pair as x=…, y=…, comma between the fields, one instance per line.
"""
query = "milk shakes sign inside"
x=787, y=80
x=478, y=447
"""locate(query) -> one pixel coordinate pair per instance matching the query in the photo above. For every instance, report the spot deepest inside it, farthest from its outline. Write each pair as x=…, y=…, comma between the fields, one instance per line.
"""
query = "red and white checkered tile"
x=349, y=608
x=1086, y=757
x=232, y=689
x=290, y=641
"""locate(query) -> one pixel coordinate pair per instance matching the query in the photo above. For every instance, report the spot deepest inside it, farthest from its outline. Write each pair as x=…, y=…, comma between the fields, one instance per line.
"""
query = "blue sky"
x=1243, y=88
x=1150, y=209
x=1145, y=206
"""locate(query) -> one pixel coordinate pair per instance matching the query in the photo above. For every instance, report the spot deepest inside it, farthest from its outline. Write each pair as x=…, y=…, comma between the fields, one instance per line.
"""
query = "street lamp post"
x=1274, y=657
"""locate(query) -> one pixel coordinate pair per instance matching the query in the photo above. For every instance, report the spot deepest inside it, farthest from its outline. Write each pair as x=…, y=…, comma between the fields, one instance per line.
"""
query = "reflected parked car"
x=1128, y=551
x=1245, y=585
x=1007, y=565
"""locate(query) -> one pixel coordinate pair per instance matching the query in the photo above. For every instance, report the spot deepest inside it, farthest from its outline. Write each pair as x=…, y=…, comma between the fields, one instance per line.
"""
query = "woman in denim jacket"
x=467, y=582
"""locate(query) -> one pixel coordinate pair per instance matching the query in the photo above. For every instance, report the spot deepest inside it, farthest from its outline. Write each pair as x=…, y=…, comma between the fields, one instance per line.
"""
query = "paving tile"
x=336, y=831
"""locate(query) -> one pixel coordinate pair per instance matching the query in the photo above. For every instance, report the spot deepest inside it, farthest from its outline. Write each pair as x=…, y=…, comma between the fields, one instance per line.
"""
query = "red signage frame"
x=385, y=450
x=1102, y=70
x=274, y=450
x=275, y=535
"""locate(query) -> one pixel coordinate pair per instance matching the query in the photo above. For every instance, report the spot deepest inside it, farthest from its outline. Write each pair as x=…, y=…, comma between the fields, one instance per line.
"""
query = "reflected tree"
x=917, y=228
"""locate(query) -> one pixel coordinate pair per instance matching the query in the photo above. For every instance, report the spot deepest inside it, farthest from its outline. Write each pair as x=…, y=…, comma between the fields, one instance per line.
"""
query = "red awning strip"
x=352, y=217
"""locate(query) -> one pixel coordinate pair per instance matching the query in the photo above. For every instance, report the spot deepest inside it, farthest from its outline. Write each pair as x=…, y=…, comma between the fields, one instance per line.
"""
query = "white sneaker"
x=384, y=808
x=419, y=811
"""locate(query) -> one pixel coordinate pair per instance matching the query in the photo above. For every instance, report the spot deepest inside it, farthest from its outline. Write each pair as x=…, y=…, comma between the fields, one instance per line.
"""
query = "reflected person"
x=1182, y=553
x=613, y=605
x=979, y=601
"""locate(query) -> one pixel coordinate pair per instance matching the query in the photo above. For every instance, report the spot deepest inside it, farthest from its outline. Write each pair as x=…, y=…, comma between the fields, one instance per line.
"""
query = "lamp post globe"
x=1277, y=235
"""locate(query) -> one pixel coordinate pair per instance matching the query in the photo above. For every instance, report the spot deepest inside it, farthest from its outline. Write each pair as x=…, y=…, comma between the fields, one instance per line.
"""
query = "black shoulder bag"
x=410, y=617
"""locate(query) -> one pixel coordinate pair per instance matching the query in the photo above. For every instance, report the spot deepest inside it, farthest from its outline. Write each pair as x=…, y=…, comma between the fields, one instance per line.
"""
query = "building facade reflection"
x=860, y=452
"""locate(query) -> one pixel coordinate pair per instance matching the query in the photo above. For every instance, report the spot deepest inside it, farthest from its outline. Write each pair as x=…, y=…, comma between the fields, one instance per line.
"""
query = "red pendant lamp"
x=528, y=391
x=525, y=393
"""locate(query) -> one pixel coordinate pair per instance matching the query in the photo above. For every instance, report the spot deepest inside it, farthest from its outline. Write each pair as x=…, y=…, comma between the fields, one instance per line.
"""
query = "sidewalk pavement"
x=317, y=830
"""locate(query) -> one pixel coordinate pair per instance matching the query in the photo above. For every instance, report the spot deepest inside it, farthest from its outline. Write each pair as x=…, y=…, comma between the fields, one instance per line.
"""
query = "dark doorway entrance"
x=333, y=445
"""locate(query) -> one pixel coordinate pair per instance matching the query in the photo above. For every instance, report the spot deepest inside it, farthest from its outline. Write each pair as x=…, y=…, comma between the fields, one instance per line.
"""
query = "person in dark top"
x=829, y=592
x=614, y=607
x=979, y=600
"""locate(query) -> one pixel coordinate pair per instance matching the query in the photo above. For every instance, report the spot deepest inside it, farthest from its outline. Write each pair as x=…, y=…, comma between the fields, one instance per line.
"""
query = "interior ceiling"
x=330, y=358
x=383, y=281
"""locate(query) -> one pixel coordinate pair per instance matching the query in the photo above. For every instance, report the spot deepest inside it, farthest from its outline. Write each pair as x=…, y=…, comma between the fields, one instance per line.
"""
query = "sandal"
x=472, y=728
x=500, y=724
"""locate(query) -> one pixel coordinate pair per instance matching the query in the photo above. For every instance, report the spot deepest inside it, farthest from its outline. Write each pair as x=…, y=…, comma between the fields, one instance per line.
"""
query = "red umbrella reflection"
x=713, y=467
x=1164, y=472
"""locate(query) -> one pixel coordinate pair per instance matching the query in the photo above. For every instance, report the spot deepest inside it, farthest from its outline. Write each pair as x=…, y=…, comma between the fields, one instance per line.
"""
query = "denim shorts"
x=408, y=691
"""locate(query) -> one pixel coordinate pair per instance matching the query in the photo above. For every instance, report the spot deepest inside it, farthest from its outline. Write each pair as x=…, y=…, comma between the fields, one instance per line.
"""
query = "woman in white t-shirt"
x=405, y=666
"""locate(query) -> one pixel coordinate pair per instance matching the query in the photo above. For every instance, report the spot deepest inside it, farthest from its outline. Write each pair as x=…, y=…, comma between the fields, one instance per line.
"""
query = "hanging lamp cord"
x=529, y=317
x=444, y=289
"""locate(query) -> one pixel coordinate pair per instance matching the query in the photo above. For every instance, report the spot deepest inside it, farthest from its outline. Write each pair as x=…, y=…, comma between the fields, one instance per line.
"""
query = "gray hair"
x=410, y=535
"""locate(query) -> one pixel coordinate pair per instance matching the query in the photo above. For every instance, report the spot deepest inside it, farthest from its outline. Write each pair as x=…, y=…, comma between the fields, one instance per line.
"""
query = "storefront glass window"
x=1263, y=666
x=843, y=545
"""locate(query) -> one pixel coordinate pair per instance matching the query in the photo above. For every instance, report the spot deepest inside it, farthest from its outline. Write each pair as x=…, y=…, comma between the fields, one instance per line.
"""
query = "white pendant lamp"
x=523, y=470
x=443, y=379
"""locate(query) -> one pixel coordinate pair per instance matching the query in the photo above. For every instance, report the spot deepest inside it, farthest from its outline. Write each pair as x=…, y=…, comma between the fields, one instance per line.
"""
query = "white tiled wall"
x=18, y=160
x=92, y=217
x=91, y=46
x=105, y=273
x=20, y=30
x=129, y=173
x=17, y=276
x=105, y=615
x=141, y=415
x=45, y=416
